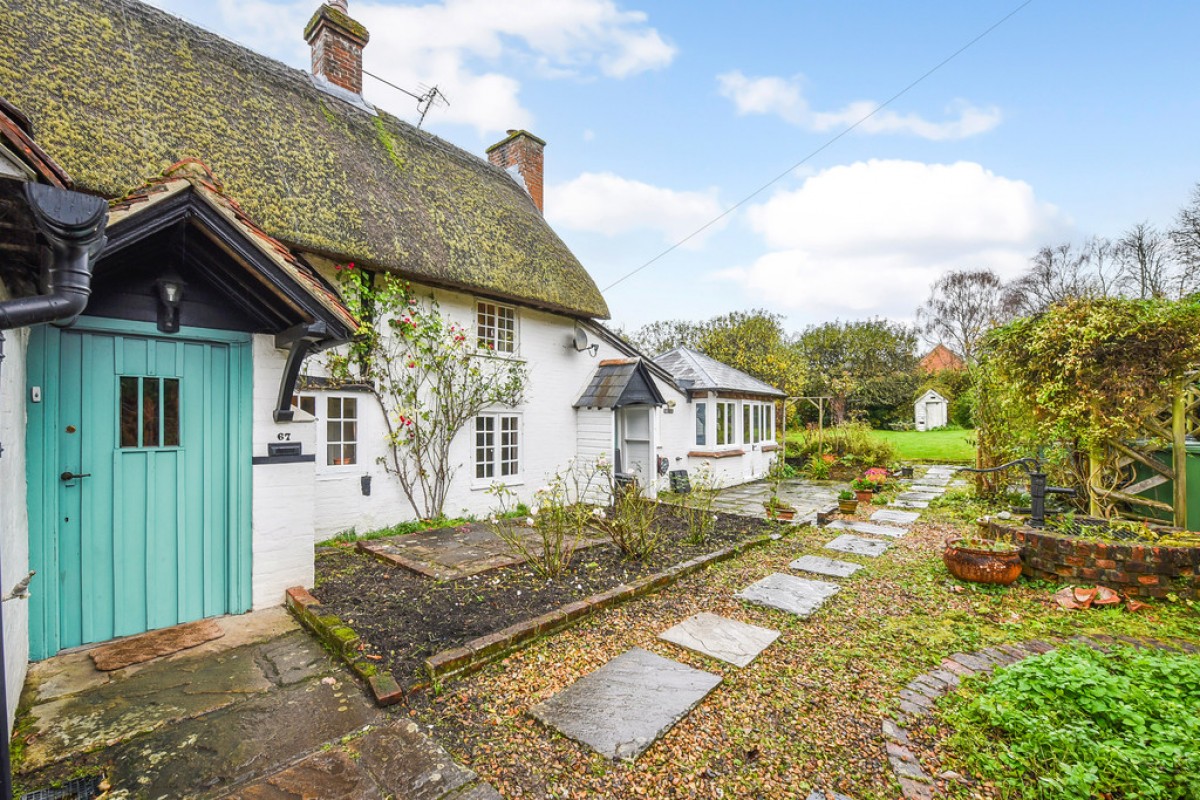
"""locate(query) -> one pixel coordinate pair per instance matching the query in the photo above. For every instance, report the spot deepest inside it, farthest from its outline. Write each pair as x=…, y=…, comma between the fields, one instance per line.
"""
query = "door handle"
x=70, y=476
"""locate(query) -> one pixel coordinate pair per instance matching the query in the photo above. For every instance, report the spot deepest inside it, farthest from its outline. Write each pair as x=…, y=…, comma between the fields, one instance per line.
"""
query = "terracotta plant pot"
x=779, y=512
x=981, y=566
x=847, y=506
x=864, y=496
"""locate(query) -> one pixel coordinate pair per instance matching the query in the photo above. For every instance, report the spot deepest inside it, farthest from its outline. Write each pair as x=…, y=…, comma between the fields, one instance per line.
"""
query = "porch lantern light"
x=170, y=295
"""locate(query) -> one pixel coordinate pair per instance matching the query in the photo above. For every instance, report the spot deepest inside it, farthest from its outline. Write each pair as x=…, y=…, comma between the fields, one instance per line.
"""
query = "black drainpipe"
x=73, y=225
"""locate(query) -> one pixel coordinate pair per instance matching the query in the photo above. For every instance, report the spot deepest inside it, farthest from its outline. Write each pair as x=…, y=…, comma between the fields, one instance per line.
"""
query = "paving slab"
x=718, y=637
x=409, y=764
x=858, y=546
x=927, y=488
x=800, y=596
x=825, y=566
x=870, y=528
x=914, y=495
x=625, y=706
x=909, y=504
x=895, y=517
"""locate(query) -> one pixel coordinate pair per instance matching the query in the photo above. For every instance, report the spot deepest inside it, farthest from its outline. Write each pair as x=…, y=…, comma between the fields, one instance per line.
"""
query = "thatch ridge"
x=118, y=90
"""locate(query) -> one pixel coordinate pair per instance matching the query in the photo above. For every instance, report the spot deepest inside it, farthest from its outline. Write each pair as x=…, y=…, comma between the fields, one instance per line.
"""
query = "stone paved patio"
x=808, y=497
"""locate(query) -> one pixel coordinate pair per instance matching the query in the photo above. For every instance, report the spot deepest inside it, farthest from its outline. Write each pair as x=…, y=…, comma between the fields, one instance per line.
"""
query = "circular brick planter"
x=1136, y=570
x=917, y=699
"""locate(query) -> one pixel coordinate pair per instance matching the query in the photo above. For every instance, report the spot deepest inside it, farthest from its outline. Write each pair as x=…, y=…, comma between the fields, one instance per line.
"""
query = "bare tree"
x=963, y=305
x=1147, y=269
x=1060, y=273
x=1185, y=239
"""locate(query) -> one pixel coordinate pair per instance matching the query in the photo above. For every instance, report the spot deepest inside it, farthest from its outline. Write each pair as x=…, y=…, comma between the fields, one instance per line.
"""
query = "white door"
x=634, y=441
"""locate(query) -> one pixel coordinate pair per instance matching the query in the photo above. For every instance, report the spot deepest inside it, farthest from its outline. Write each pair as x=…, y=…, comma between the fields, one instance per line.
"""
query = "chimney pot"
x=337, y=42
x=523, y=150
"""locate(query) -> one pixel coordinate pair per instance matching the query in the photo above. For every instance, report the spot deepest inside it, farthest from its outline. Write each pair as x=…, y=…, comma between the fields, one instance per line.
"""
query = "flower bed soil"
x=403, y=618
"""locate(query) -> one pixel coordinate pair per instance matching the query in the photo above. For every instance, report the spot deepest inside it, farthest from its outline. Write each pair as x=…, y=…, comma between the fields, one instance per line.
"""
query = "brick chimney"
x=523, y=150
x=337, y=43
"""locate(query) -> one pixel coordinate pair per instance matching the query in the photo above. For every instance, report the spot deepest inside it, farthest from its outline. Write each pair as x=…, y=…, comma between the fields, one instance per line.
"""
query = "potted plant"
x=863, y=489
x=847, y=503
x=777, y=509
x=972, y=558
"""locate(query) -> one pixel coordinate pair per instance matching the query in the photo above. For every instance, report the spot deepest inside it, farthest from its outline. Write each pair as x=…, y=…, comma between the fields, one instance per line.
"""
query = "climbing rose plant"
x=431, y=377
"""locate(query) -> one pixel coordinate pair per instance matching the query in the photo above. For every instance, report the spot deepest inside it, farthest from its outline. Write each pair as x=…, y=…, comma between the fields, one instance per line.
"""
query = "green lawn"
x=942, y=446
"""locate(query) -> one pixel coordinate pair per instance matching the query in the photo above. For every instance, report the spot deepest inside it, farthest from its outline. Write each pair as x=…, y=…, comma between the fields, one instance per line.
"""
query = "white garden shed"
x=931, y=411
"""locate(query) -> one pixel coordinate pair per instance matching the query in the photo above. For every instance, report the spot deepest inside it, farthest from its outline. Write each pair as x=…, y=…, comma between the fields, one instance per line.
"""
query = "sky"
x=1070, y=119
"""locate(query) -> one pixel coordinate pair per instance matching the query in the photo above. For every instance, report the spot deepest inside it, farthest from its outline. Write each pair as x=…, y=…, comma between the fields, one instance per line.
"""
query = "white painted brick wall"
x=14, y=517
x=283, y=501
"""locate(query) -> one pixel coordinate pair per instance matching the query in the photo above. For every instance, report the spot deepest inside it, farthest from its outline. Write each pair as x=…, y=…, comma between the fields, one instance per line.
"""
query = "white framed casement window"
x=496, y=327
x=726, y=433
x=701, y=424
x=341, y=431
x=497, y=448
x=337, y=427
x=747, y=425
x=769, y=426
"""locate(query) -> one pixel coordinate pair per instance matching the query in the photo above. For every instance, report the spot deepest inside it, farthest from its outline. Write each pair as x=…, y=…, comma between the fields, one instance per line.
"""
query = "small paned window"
x=758, y=416
x=497, y=446
x=496, y=327
x=701, y=423
x=148, y=415
x=747, y=426
x=769, y=433
x=306, y=403
x=725, y=429
x=341, y=431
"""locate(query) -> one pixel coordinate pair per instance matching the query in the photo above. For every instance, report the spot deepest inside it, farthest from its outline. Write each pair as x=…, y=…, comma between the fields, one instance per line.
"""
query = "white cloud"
x=469, y=47
x=869, y=238
x=609, y=204
x=784, y=97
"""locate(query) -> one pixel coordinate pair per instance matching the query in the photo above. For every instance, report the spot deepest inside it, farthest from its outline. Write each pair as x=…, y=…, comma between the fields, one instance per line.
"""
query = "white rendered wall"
x=679, y=438
x=14, y=517
x=558, y=375
x=283, y=506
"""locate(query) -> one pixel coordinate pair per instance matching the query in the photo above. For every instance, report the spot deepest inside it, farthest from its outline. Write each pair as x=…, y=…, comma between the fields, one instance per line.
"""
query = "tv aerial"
x=429, y=97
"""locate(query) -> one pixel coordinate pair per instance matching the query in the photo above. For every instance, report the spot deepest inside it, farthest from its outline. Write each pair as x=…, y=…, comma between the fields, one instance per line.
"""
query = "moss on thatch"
x=118, y=91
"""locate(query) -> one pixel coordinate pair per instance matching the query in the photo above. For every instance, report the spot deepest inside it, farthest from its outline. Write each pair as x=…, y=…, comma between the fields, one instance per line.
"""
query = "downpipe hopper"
x=73, y=226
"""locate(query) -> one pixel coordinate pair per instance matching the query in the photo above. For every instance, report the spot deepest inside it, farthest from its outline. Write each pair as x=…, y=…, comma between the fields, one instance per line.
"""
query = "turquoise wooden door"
x=146, y=473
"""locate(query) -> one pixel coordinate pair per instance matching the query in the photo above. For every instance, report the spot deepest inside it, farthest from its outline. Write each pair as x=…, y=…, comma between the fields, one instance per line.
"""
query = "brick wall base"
x=1137, y=570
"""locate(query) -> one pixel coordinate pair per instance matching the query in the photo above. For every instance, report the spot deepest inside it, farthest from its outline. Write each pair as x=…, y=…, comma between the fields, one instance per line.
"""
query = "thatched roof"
x=117, y=91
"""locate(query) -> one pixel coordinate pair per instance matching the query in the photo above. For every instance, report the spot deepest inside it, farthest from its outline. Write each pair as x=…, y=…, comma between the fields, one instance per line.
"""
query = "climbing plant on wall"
x=430, y=375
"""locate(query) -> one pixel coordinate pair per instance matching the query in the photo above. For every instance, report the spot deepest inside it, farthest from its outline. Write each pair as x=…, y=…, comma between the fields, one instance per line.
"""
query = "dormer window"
x=496, y=327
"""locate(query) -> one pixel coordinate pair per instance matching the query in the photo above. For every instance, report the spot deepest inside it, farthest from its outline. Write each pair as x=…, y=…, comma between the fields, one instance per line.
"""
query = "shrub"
x=629, y=523
x=818, y=468
x=851, y=440
x=696, y=508
x=1076, y=723
x=559, y=517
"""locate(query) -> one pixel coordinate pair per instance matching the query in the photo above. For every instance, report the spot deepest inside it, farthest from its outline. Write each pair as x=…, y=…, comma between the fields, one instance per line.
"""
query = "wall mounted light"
x=170, y=295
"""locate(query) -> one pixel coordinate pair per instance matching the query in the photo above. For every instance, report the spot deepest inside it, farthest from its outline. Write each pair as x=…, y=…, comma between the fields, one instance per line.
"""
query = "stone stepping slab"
x=895, y=517
x=868, y=528
x=857, y=545
x=927, y=488
x=729, y=640
x=628, y=704
x=798, y=596
x=918, y=496
x=909, y=504
x=825, y=566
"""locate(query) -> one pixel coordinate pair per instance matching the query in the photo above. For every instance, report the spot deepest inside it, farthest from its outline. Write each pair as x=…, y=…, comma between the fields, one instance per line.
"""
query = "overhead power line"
x=820, y=149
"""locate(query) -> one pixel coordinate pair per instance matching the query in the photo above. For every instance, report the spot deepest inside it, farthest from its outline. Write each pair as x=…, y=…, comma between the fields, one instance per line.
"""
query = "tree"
x=1185, y=238
x=427, y=374
x=665, y=335
x=1064, y=272
x=753, y=341
x=962, y=307
x=870, y=366
x=1147, y=269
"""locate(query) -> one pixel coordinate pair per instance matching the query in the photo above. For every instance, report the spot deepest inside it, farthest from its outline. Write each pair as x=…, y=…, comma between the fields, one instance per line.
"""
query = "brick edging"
x=476, y=653
x=917, y=699
x=344, y=642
